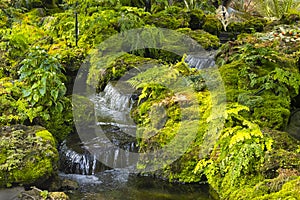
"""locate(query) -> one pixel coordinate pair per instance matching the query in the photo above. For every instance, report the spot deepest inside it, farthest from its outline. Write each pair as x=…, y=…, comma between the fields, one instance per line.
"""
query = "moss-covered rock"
x=197, y=19
x=28, y=155
x=171, y=18
x=250, y=158
x=110, y=70
x=212, y=25
x=36, y=193
x=255, y=72
x=206, y=40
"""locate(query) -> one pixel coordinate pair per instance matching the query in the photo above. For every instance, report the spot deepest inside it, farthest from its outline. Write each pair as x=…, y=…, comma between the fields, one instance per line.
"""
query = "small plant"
x=45, y=91
x=224, y=16
x=276, y=8
x=42, y=74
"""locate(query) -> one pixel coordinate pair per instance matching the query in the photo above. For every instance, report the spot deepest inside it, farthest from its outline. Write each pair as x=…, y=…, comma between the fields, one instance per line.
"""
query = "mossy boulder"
x=171, y=18
x=28, y=155
x=250, y=158
x=212, y=25
x=112, y=70
x=254, y=25
x=197, y=19
x=255, y=73
x=206, y=40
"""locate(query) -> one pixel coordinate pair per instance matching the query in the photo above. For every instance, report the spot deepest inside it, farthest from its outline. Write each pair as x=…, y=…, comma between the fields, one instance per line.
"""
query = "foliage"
x=28, y=155
x=276, y=8
x=171, y=18
x=42, y=75
x=44, y=90
x=206, y=40
x=260, y=73
x=212, y=25
x=245, y=6
x=15, y=43
x=110, y=69
x=29, y=4
x=195, y=4
x=11, y=107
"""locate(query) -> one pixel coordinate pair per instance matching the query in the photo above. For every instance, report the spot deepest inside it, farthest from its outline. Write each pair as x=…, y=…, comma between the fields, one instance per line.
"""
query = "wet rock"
x=36, y=193
x=10, y=193
x=58, y=196
x=68, y=184
x=293, y=127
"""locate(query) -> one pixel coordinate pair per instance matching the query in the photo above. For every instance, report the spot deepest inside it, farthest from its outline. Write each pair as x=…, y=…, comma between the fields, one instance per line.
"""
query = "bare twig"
x=27, y=195
x=224, y=16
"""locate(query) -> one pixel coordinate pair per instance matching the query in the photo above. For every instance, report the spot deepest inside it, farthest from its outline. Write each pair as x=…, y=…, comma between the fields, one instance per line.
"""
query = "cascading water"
x=80, y=161
x=201, y=60
x=112, y=109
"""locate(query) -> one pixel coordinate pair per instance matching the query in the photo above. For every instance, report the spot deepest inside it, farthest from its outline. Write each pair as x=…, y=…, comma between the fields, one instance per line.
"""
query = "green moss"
x=254, y=25
x=197, y=19
x=46, y=136
x=290, y=18
x=292, y=187
x=172, y=18
x=236, y=27
x=282, y=140
x=256, y=76
x=271, y=117
x=248, y=26
x=280, y=159
x=206, y=40
x=28, y=156
x=285, y=186
x=111, y=70
x=212, y=25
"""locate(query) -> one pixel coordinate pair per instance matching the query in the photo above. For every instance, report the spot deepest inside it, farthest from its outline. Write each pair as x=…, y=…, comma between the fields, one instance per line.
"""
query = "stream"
x=80, y=159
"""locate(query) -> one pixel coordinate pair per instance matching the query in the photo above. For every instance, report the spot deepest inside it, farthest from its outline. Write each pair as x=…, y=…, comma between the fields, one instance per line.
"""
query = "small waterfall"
x=201, y=60
x=113, y=138
x=113, y=105
x=87, y=163
x=78, y=162
x=114, y=97
x=115, y=153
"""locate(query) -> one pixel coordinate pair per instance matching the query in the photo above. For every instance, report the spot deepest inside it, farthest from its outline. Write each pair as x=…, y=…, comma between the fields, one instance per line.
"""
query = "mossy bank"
x=28, y=155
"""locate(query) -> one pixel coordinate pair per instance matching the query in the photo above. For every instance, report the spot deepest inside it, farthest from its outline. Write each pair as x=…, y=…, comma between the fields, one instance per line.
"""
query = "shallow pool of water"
x=120, y=185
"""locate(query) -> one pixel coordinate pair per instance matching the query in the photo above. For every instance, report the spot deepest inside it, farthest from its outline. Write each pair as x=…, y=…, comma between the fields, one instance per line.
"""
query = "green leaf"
x=44, y=80
x=42, y=91
x=59, y=107
x=54, y=94
x=36, y=97
x=26, y=93
x=35, y=85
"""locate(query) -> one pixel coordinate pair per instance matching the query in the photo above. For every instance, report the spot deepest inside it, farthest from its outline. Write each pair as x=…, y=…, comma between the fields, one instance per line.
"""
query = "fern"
x=282, y=82
x=240, y=149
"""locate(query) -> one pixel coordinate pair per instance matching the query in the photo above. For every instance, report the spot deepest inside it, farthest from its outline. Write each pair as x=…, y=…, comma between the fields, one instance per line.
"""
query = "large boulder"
x=28, y=155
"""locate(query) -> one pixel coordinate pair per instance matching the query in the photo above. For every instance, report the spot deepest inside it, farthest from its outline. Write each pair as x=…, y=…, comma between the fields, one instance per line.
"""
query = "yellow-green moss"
x=109, y=69
x=212, y=25
x=172, y=18
x=197, y=19
x=206, y=40
x=46, y=136
x=28, y=156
